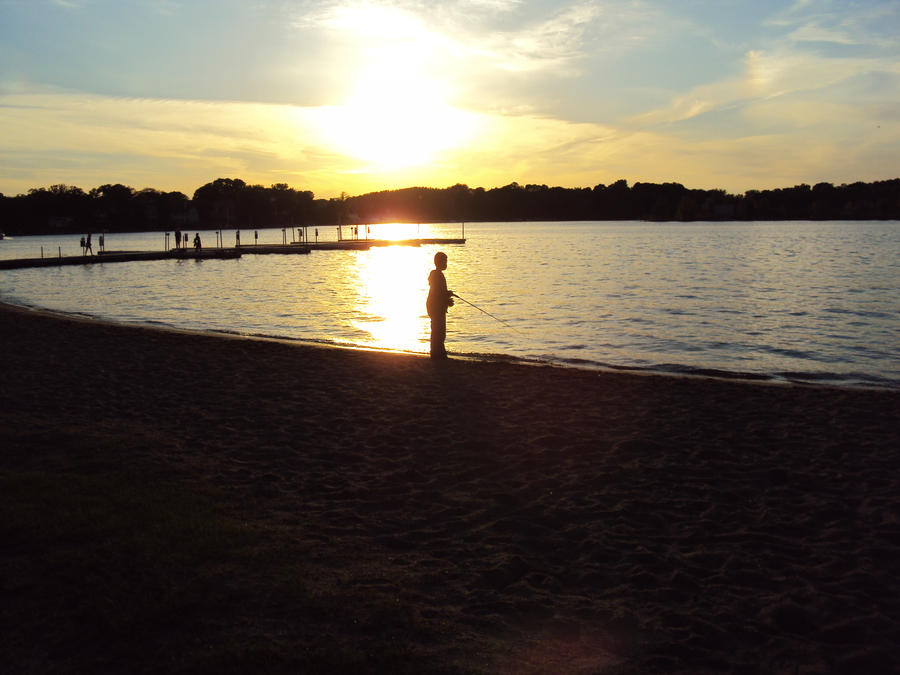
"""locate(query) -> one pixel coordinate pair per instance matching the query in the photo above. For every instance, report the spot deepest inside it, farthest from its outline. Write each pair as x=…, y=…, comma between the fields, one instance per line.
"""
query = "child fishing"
x=439, y=301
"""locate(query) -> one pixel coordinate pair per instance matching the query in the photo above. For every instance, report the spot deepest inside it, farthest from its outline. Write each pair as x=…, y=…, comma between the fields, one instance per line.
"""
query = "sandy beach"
x=398, y=515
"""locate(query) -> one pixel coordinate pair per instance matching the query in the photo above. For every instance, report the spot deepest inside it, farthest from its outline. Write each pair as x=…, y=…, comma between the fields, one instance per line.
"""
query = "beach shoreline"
x=474, y=516
x=806, y=380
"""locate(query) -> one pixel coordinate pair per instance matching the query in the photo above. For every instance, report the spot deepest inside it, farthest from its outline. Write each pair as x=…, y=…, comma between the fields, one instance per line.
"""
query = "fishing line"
x=486, y=312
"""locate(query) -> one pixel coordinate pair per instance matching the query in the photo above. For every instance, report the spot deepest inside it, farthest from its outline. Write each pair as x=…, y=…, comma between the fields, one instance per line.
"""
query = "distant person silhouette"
x=439, y=301
x=177, y=238
x=197, y=244
x=82, y=247
x=102, y=243
x=237, y=239
x=88, y=246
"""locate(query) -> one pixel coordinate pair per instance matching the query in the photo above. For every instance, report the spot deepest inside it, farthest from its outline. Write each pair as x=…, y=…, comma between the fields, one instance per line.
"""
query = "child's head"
x=440, y=260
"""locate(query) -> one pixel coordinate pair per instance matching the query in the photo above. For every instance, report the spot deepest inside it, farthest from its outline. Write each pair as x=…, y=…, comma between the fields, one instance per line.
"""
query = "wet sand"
x=524, y=519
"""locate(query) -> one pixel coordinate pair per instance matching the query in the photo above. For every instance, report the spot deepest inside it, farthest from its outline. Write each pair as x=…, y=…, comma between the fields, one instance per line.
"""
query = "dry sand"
x=533, y=519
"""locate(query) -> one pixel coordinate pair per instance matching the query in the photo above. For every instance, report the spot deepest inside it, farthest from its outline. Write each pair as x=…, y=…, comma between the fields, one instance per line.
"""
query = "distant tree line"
x=233, y=204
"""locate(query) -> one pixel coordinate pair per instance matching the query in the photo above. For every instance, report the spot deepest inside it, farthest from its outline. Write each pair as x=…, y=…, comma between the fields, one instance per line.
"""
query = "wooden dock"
x=120, y=256
x=219, y=253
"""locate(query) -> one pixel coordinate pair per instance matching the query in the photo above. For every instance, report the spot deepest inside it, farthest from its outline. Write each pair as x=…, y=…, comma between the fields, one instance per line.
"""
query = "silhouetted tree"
x=217, y=202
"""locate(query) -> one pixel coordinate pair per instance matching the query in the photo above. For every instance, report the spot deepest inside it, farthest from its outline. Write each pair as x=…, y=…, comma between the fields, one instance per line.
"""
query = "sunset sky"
x=335, y=96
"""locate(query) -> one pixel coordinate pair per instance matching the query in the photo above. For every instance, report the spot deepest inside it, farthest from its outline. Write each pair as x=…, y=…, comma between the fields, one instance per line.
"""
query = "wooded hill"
x=227, y=203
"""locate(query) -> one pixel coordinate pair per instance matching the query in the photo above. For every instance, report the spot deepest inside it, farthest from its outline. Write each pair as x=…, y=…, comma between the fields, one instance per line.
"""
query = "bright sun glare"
x=397, y=114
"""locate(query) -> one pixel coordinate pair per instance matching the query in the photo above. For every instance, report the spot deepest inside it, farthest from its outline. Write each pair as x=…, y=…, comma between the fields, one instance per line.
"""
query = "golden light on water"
x=392, y=286
x=399, y=231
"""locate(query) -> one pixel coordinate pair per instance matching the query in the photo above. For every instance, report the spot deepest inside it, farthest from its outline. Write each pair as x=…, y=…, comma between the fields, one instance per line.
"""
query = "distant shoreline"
x=230, y=204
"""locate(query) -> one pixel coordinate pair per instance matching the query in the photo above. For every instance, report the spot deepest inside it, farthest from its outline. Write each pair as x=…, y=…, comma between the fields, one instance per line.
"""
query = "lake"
x=800, y=301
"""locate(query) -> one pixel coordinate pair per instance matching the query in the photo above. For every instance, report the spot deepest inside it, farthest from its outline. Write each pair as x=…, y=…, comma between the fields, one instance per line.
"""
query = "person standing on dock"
x=197, y=244
x=237, y=238
x=177, y=238
x=88, y=246
x=439, y=301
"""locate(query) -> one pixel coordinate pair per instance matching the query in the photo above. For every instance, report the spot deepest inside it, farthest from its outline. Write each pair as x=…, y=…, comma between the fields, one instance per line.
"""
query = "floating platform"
x=364, y=244
x=218, y=253
x=120, y=256
x=277, y=249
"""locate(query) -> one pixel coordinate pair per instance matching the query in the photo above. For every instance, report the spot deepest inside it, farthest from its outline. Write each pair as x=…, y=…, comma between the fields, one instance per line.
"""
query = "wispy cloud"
x=492, y=5
x=495, y=34
x=68, y=4
x=769, y=75
x=550, y=42
x=868, y=24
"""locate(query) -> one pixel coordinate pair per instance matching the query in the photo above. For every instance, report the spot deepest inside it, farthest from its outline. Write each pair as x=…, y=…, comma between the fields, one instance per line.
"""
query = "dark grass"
x=108, y=569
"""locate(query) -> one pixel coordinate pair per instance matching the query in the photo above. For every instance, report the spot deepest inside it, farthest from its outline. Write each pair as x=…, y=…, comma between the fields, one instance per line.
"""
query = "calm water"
x=788, y=300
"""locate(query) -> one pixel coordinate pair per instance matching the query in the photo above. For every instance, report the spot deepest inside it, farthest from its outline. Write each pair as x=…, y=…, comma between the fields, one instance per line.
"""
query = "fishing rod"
x=486, y=312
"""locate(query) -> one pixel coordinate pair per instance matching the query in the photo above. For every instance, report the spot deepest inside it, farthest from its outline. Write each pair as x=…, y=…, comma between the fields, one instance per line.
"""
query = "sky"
x=358, y=96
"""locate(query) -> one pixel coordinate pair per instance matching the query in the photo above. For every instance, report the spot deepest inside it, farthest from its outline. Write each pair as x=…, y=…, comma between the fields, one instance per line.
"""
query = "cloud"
x=770, y=76
x=551, y=43
x=208, y=137
x=492, y=5
x=79, y=138
x=871, y=24
x=58, y=137
x=490, y=34
x=68, y=4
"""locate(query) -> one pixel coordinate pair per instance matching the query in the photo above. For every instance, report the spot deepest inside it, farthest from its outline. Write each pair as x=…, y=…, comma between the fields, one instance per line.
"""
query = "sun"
x=397, y=118
x=397, y=113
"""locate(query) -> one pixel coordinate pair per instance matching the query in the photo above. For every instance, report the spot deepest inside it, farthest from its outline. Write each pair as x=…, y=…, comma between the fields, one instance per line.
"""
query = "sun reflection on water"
x=391, y=283
x=394, y=231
